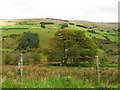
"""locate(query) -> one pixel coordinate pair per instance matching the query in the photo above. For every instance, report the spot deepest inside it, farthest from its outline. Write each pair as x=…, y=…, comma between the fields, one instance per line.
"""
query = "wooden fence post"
x=20, y=71
x=98, y=71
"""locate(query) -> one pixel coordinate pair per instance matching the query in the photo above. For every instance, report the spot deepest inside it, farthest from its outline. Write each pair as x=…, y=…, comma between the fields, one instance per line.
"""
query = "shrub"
x=10, y=58
x=32, y=58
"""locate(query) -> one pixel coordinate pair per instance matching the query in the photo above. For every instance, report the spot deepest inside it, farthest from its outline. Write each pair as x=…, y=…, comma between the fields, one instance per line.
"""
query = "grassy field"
x=58, y=77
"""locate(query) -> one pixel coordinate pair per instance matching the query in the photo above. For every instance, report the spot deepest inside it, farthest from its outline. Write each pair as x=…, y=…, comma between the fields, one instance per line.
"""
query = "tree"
x=73, y=54
x=71, y=45
x=63, y=25
x=42, y=25
x=29, y=40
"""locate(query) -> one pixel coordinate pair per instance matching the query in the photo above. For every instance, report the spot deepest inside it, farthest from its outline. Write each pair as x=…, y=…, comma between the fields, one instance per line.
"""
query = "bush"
x=10, y=58
x=32, y=58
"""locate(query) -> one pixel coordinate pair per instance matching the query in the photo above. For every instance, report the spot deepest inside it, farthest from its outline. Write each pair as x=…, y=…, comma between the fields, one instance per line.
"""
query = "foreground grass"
x=53, y=82
x=58, y=77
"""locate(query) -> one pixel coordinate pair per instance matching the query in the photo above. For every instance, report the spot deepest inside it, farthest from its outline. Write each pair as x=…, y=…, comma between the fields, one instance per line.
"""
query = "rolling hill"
x=105, y=35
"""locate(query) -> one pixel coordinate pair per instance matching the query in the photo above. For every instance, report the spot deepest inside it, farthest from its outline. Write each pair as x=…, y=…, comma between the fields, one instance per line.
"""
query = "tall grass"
x=57, y=77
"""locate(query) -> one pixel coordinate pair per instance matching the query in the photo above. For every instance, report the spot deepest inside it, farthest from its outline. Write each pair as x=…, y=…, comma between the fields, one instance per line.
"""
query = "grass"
x=51, y=82
x=21, y=26
x=112, y=65
x=44, y=35
x=94, y=35
x=57, y=77
x=113, y=38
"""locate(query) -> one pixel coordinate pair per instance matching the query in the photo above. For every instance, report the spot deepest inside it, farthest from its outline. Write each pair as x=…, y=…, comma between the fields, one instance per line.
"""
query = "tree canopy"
x=72, y=47
x=29, y=40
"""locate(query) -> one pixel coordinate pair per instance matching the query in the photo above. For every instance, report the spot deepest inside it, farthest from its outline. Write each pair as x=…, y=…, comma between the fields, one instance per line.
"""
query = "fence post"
x=20, y=67
x=98, y=71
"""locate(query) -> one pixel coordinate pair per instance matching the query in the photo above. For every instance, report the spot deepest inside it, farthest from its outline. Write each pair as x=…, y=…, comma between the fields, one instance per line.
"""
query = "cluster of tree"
x=63, y=25
x=43, y=24
x=29, y=40
x=71, y=47
x=46, y=22
x=83, y=26
x=64, y=20
x=71, y=23
x=58, y=19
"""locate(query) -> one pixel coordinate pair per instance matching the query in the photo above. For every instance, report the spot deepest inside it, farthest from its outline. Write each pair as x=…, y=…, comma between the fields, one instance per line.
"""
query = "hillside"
x=42, y=65
x=104, y=34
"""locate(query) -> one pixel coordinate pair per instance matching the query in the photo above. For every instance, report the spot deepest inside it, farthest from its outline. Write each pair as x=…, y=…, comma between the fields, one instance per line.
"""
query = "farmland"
x=40, y=72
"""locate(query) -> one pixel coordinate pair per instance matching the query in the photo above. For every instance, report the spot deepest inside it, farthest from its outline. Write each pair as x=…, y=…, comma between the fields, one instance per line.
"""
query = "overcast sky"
x=91, y=10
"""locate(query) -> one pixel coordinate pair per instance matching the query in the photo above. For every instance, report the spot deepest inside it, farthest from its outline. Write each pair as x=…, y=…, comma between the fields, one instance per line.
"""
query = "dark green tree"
x=29, y=40
x=42, y=25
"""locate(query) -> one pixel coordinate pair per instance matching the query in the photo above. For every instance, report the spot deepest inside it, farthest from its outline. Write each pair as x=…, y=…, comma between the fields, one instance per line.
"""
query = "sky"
x=90, y=10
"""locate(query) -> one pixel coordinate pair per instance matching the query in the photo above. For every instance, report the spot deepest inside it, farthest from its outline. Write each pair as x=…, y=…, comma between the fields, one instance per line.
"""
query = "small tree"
x=42, y=25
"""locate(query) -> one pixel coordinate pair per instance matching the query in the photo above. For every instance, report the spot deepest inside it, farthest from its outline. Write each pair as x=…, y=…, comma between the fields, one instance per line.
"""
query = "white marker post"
x=21, y=61
x=98, y=70
x=20, y=67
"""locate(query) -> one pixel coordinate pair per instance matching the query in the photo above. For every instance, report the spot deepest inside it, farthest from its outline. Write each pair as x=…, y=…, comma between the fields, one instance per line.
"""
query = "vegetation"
x=58, y=77
x=71, y=45
x=46, y=23
x=42, y=25
x=29, y=40
x=60, y=42
x=64, y=25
